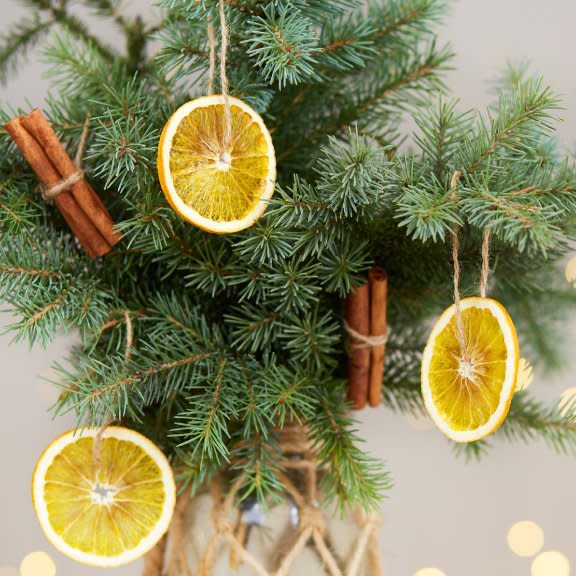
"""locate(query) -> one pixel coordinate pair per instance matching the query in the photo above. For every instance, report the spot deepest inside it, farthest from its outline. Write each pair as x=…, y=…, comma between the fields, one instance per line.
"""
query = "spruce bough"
x=233, y=336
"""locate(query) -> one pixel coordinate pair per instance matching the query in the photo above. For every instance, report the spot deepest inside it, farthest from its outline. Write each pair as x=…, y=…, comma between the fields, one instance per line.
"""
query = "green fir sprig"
x=210, y=344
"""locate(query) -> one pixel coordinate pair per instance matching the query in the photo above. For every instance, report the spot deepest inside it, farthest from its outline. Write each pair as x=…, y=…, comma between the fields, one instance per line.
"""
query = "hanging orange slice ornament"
x=108, y=513
x=218, y=180
x=468, y=386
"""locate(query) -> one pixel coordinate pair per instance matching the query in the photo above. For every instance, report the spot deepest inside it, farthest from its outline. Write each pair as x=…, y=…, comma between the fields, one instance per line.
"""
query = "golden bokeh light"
x=550, y=563
x=525, y=375
x=567, y=404
x=38, y=564
x=525, y=538
x=429, y=572
x=571, y=271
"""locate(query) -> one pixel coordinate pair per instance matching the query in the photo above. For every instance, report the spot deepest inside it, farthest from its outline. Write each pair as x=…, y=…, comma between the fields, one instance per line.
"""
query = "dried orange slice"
x=104, y=515
x=219, y=187
x=467, y=390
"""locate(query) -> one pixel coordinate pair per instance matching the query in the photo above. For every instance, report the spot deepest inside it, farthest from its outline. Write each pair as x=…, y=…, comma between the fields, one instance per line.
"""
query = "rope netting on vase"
x=212, y=535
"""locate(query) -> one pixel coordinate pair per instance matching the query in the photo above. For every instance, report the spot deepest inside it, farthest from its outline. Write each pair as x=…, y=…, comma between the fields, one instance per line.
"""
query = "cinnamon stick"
x=79, y=222
x=358, y=319
x=378, y=282
x=37, y=125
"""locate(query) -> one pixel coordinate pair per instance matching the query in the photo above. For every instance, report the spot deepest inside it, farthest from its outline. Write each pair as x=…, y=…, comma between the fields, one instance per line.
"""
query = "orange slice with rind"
x=108, y=514
x=468, y=389
x=218, y=185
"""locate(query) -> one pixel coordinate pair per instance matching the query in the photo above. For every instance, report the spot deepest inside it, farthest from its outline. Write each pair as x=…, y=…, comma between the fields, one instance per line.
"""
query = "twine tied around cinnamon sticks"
x=359, y=340
x=64, y=181
x=51, y=193
x=366, y=325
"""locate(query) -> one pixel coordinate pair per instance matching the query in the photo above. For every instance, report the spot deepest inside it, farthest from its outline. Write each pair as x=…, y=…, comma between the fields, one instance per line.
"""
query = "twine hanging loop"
x=224, y=86
x=212, y=56
x=457, y=298
x=485, y=263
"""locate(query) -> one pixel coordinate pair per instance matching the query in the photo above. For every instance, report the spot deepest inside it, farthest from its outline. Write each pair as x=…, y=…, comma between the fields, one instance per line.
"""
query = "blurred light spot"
x=571, y=271
x=550, y=563
x=429, y=572
x=421, y=422
x=525, y=538
x=525, y=375
x=8, y=571
x=567, y=404
x=37, y=564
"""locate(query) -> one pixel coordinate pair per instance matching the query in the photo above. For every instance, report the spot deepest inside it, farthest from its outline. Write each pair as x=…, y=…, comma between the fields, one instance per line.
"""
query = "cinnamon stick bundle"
x=366, y=324
x=80, y=206
x=378, y=283
x=358, y=319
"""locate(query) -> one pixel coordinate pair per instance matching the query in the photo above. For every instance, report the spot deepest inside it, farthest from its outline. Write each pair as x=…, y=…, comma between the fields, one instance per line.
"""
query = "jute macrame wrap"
x=311, y=532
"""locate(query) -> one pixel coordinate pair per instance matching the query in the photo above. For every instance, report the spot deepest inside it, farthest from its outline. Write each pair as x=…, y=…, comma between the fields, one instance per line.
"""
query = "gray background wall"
x=442, y=513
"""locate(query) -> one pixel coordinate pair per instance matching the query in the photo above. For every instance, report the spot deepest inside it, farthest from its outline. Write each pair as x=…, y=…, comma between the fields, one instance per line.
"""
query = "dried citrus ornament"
x=107, y=511
x=219, y=181
x=468, y=387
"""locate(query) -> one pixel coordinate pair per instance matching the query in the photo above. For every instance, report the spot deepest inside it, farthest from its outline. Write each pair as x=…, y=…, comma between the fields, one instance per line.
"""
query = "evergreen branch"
x=204, y=425
x=256, y=458
x=110, y=8
x=251, y=331
x=184, y=52
x=521, y=116
x=78, y=29
x=80, y=67
x=352, y=43
x=351, y=175
x=93, y=388
x=352, y=476
x=39, y=315
x=282, y=42
x=412, y=75
x=311, y=339
x=427, y=214
x=17, y=213
x=530, y=420
x=525, y=224
x=18, y=42
x=41, y=287
x=232, y=337
x=407, y=17
x=442, y=132
x=344, y=45
x=28, y=272
x=389, y=88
